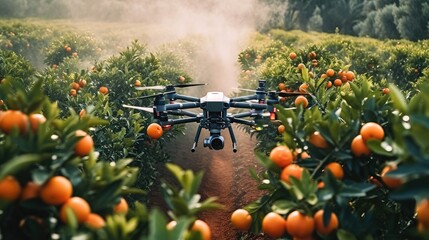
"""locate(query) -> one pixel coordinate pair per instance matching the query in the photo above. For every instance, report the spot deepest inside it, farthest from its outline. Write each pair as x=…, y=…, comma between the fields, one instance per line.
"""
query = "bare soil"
x=226, y=176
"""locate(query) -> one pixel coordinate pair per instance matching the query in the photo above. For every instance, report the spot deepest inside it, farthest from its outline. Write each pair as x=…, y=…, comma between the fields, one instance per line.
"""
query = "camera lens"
x=217, y=143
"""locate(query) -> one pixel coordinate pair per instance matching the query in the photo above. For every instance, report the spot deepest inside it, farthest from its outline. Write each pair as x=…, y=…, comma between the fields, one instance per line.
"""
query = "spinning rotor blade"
x=146, y=109
x=288, y=94
x=245, y=89
x=160, y=87
x=151, y=96
x=151, y=88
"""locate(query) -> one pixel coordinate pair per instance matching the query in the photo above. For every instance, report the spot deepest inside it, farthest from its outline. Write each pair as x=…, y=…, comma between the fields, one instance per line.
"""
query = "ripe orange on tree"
x=95, y=221
x=84, y=145
x=281, y=156
x=301, y=66
x=303, y=88
x=292, y=55
x=73, y=92
x=10, y=189
x=154, y=131
x=328, y=84
x=422, y=210
x=293, y=170
x=82, y=83
x=350, y=75
x=121, y=206
x=273, y=225
x=330, y=72
x=241, y=219
x=281, y=129
x=11, y=119
x=386, y=90
x=137, y=83
x=79, y=207
x=312, y=55
x=103, y=90
x=390, y=182
x=318, y=140
x=322, y=227
x=171, y=225
x=181, y=79
x=301, y=100
x=336, y=170
x=35, y=120
x=30, y=190
x=371, y=130
x=359, y=147
x=299, y=225
x=56, y=191
x=338, y=82
x=282, y=86
x=75, y=85
x=203, y=228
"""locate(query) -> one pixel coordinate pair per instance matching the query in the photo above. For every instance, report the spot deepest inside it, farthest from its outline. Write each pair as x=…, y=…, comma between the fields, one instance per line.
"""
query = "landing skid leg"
x=197, y=137
x=234, y=141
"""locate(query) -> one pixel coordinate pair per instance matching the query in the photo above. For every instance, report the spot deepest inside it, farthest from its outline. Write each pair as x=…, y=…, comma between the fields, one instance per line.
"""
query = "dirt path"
x=226, y=176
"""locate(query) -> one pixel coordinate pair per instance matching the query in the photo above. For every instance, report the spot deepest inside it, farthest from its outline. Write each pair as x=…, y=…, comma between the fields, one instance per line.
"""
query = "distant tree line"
x=383, y=19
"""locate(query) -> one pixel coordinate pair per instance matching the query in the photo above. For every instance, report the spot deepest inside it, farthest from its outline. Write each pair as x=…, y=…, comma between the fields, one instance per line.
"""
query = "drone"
x=214, y=105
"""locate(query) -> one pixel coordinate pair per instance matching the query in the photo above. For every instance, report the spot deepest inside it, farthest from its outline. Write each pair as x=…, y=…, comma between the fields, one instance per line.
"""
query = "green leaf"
x=381, y=148
x=283, y=206
x=19, y=164
x=398, y=99
x=344, y=235
x=157, y=223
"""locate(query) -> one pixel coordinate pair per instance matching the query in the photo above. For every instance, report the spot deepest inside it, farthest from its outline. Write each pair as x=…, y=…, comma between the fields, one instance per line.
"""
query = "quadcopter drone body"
x=214, y=116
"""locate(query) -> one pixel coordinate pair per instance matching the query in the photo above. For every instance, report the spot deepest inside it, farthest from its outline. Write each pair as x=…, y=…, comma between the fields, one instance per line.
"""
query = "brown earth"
x=226, y=176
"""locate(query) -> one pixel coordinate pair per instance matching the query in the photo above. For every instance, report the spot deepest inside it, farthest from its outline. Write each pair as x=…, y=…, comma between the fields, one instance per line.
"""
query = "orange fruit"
x=95, y=221
x=292, y=55
x=73, y=92
x=371, y=130
x=390, y=182
x=282, y=86
x=314, y=62
x=338, y=82
x=80, y=208
x=74, y=54
x=13, y=119
x=323, y=76
x=350, y=75
x=35, y=120
x=303, y=88
x=31, y=190
x=330, y=72
x=181, y=79
x=301, y=66
x=103, y=90
x=121, y=207
x=320, y=185
x=56, y=191
x=336, y=170
x=323, y=228
x=422, y=210
x=171, y=225
x=154, y=131
x=203, y=228
x=291, y=170
x=68, y=49
x=312, y=55
x=84, y=145
x=273, y=225
x=281, y=156
x=241, y=219
x=301, y=100
x=10, y=188
x=299, y=225
x=75, y=85
x=82, y=83
x=281, y=129
x=329, y=84
x=82, y=113
x=386, y=90
x=318, y=140
x=137, y=83
x=359, y=147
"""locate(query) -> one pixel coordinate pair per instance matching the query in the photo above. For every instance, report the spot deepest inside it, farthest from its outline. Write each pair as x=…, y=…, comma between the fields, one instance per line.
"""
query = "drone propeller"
x=288, y=94
x=146, y=109
x=160, y=87
x=151, y=96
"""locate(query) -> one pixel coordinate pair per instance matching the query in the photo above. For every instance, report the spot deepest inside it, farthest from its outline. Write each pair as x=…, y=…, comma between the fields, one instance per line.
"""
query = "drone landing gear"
x=234, y=141
x=197, y=136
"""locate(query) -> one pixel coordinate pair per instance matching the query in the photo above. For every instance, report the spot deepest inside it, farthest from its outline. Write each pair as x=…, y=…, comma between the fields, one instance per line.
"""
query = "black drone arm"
x=177, y=106
x=243, y=114
x=181, y=120
x=255, y=106
x=186, y=98
x=180, y=112
x=242, y=121
x=244, y=98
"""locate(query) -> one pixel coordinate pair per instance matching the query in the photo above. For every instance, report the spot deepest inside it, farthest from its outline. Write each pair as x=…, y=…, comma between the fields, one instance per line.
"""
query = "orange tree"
x=336, y=168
